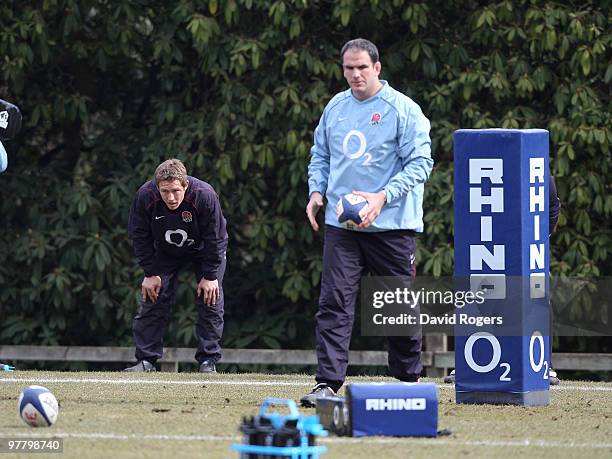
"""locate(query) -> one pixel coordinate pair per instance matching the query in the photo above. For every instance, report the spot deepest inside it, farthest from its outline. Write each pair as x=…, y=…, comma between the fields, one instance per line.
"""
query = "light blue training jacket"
x=3, y=158
x=381, y=143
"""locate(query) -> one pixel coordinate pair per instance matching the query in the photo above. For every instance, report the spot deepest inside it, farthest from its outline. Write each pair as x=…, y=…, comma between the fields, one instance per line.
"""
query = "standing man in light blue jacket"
x=373, y=141
x=3, y=158
x=10, y=124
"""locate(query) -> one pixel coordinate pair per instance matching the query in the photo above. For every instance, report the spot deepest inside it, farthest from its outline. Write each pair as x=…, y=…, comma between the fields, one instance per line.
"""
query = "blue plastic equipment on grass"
x=271, y=434
x=391, y=409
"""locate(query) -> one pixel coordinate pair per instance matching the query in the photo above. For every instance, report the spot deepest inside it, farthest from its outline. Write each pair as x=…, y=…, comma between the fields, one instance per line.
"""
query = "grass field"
x=182, y=415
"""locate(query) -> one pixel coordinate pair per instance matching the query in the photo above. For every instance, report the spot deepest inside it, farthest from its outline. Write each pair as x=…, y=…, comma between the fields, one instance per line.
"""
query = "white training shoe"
x=553, y=378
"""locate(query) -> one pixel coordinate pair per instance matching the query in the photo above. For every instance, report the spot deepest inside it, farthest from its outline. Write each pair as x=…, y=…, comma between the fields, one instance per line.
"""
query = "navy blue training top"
x=195, y=232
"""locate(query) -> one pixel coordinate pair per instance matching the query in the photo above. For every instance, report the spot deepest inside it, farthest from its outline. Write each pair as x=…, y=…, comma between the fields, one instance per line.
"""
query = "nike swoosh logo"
x=157, y=218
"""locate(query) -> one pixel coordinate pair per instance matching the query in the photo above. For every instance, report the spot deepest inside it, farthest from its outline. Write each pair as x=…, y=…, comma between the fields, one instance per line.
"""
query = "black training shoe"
x=319, y=390
x=142, y=366
x=413, y=378
x=450, y=378
x=208, y=366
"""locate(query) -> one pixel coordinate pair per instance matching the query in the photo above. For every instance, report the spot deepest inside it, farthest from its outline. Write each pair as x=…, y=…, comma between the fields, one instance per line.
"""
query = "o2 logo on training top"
x=348, y=147
x=183, y=236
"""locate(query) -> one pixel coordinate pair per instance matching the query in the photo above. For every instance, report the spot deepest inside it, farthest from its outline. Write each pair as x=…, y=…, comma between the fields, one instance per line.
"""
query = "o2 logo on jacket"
x=349, y=144
x=183, y=237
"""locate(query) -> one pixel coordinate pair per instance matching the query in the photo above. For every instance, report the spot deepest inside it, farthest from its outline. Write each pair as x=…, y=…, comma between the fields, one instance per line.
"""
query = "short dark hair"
x=364, y=45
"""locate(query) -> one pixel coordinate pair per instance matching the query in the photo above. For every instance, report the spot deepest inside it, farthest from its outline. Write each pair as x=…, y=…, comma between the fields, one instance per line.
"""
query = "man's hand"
x=376, y=201
x=209, y=289
x=315, y=203
x=150, y=288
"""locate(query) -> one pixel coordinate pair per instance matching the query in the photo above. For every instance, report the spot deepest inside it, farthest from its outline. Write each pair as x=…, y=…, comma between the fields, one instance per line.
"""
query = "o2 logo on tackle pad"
x=487, y=365
x=501, y=247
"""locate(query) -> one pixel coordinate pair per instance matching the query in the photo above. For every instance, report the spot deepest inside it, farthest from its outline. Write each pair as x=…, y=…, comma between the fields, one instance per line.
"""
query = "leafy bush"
x=235, y=89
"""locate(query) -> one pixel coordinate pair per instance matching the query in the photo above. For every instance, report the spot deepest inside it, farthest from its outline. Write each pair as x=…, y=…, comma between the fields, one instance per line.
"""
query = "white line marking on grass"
x=223, y=382
x=113, y=436
x=582, y=388
x=553, y=388
x=437, y=441
x=429, y=441
x=228, y=382
x=540, y=443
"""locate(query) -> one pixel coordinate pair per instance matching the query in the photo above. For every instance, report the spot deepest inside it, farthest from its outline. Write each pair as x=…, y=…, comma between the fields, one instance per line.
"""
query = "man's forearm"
x=415, y=173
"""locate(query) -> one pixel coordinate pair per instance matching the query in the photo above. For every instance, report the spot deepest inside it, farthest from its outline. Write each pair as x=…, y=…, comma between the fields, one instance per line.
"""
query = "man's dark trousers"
x=150, y=323
x=347, y=256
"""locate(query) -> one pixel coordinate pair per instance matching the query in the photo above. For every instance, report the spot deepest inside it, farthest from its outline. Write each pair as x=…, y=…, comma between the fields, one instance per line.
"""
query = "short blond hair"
x=171, y=169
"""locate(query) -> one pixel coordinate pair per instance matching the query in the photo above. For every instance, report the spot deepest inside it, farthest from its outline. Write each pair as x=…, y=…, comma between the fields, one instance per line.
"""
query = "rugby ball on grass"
x=38, y=407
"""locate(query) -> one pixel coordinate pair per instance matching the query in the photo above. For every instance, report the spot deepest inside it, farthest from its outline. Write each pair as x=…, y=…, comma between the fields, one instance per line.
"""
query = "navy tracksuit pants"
x=347, y=256
x=152, y=318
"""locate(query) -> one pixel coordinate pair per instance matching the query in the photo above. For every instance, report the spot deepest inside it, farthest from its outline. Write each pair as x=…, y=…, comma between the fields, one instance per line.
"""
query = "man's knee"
x=148, y=309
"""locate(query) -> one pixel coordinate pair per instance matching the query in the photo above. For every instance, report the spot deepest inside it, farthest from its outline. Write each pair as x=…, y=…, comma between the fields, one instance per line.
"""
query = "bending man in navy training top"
x=176, y=222
x=372, y=140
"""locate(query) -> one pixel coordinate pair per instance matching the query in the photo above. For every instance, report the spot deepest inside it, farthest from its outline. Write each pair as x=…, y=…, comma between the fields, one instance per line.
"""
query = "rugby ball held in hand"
x=350, y=210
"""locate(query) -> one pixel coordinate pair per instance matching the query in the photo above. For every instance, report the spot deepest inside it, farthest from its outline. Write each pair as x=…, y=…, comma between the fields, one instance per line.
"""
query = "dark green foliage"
x=235, y=88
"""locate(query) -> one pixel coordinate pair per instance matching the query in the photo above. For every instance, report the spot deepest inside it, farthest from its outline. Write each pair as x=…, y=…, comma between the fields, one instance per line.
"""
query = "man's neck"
x=379, y=87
